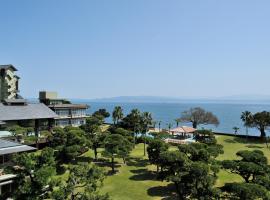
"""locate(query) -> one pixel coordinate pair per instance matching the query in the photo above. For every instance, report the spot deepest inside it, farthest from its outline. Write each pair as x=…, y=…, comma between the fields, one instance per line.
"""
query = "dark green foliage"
x=117, y=114
x=69, y=143
x=199, y=116
x=154, y=149
x=82, y=184
x=132, y=121
x=245, y=191
x=116, y=146
x=34, y=174
x=101, y=112
x=146, y=121
x=200, y=182
x=59, y=137
x=120, y=131
x=138, y=123
x=193, y=170
x=252, y=167
x=205, y=136
x=125, y=133
x=17, y=130
x=93, y=132
x=160, y=135
x=195, y=150
x=191, y=179
x=260, y=120
x=97, y=141
x=92, y=124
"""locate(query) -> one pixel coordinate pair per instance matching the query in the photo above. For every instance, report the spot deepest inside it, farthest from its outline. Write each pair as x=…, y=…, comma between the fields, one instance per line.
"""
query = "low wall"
x=237, y=135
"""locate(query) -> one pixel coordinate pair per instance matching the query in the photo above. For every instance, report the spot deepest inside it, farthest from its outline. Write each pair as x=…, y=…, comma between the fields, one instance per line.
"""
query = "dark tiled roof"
x=7, y=67
x=23, y=101
x=82, y=106
x=8, y=147
x=24, y=112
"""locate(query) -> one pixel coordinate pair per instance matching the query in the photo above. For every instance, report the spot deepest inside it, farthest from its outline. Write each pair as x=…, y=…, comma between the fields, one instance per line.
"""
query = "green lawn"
x=136, y=179
x=231, y=146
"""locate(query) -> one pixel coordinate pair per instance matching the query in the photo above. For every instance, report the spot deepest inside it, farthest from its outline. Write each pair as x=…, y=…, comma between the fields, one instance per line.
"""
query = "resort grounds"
x=137, y=179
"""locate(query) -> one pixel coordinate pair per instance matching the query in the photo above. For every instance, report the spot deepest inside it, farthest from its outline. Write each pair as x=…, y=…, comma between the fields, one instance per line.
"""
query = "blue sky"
x=93, y=49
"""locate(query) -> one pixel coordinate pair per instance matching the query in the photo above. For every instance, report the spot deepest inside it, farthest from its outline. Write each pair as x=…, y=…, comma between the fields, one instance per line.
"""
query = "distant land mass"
x=252, y=99
x=235, y=99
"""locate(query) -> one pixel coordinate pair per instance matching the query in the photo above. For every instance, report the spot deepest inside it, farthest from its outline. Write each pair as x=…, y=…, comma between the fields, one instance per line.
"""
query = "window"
x=62, y=113
x=62, y=122
x=78, y=112
x=77, y=122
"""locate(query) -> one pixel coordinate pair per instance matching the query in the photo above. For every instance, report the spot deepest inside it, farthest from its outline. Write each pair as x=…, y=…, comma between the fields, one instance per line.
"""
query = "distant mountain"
x=156, y=99
x=249, y=97
x=234, y=99
x=139, y=99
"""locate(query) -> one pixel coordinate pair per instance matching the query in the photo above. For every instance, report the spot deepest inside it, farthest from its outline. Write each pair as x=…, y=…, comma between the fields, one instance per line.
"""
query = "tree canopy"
x=154, y=149
x=69, y=142
x=82, y=184
x=116, y=146
x=252, y=167
x=117, y=114
x=193, y=170
x=101, y=112
x=35, y=174
x=259, y=120
x=199, y=116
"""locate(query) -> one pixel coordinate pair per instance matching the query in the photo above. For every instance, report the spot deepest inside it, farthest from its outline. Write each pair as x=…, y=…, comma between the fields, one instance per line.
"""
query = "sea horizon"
x=228, y=113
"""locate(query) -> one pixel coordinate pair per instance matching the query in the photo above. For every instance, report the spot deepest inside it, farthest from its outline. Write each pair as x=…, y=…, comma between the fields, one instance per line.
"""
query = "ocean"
x=227, y=113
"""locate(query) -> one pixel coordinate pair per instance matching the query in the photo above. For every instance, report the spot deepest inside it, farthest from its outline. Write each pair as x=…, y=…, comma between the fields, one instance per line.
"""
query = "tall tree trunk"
x=247, y=133
x=144, y=146
x=180, y=197
x=263, y=134
x=96, y=153
x=194, y=124
x=112, y=163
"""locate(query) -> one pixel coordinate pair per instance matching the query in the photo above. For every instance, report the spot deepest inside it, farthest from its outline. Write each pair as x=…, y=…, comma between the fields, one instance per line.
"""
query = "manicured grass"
x=136, y=180
x=231, y=146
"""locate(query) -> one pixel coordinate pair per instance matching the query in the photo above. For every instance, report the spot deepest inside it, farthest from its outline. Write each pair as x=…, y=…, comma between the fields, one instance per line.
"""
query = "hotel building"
x=68, y=114
x=9, y=82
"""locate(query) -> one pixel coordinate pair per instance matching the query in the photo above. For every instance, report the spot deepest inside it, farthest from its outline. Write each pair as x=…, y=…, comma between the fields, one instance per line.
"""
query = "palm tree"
x=135, y=116
x=177, y=122
x=117, y=114
x=154, y=123
x=170, y=126
x=146, y=121
x=236, y=129
x=159, y=125
x=246, y=117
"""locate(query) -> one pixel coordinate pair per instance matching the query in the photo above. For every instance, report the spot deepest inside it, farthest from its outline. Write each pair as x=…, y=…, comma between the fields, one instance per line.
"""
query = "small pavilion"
x=183, y=131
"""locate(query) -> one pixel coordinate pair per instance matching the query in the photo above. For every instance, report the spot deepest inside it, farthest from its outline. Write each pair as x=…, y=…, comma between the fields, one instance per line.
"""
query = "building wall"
x=70, y=122
x=47, y=95
x=8, y=84
x=70, y=117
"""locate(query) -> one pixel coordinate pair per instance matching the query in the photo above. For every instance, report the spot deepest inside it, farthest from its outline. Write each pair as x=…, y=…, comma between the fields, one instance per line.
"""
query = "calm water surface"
x=228, y=114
